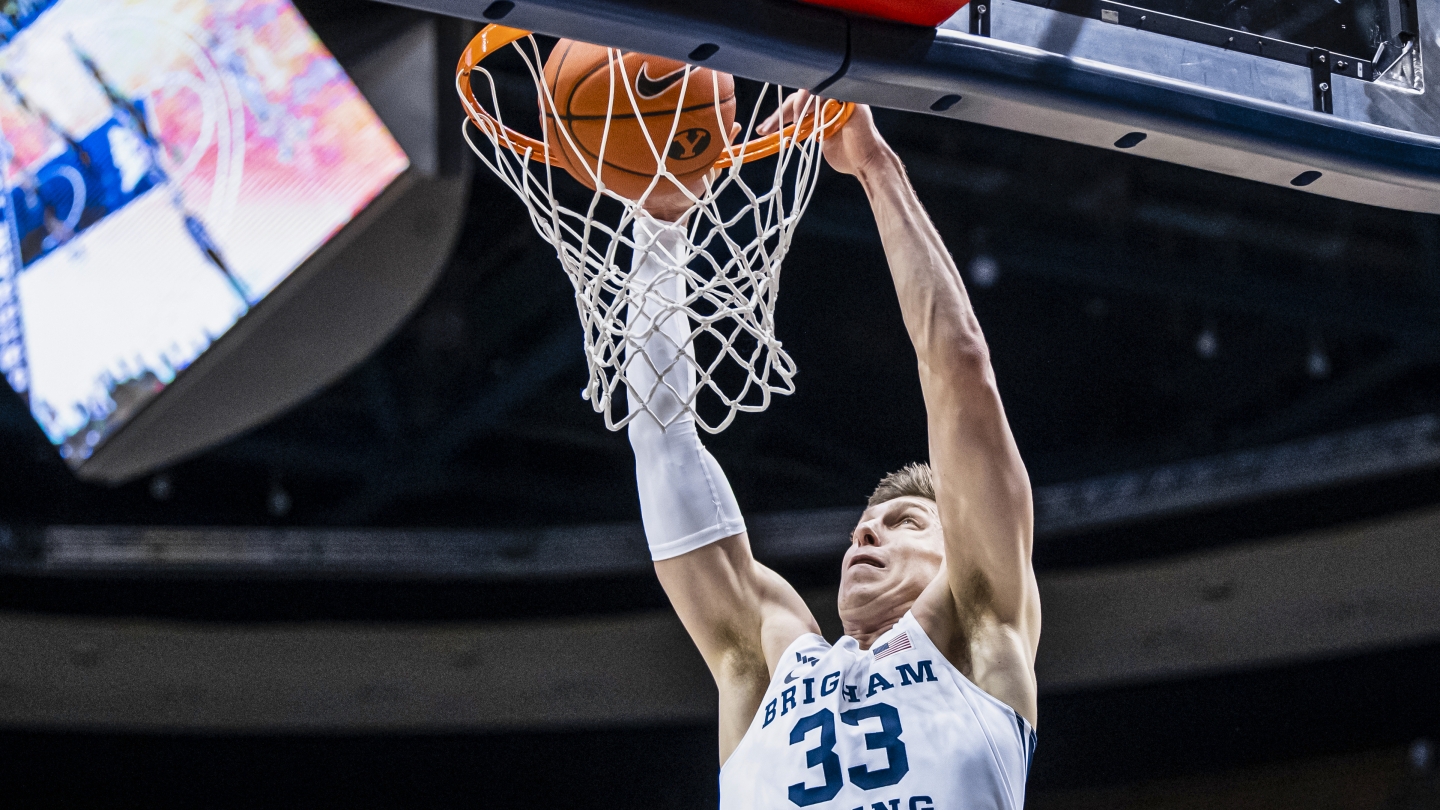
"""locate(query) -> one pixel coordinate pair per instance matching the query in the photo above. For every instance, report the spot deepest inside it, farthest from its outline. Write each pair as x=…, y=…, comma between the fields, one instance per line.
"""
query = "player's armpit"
x=742, y=616
x=997, y=656
x=1001, y=659
x=733, y=606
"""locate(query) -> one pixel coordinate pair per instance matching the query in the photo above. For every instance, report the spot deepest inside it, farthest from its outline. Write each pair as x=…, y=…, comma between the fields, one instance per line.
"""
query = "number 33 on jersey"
x=895, y=727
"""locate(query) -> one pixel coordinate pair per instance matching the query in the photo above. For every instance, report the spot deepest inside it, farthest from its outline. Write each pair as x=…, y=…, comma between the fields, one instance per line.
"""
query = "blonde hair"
x=914, y=480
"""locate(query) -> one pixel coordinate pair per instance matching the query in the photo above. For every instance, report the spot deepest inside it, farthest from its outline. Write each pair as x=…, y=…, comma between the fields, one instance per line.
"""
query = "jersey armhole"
x=1028, y=738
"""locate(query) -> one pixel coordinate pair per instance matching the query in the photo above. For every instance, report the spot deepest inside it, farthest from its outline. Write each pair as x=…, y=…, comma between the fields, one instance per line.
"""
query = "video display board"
x=166, y=164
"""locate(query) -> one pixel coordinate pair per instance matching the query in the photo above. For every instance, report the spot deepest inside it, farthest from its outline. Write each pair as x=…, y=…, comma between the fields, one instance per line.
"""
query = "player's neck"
x=865, y=629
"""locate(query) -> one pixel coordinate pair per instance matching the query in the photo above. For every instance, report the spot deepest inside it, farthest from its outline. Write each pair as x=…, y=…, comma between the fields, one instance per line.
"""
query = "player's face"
x=895, y=551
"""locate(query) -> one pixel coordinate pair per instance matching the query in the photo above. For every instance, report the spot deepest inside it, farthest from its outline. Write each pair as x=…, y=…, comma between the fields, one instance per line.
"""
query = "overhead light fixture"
x=984, y=270
x=1206, y=343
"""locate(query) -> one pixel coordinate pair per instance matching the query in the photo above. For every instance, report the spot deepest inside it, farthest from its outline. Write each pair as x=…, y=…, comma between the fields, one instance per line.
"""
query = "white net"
x=736, y=232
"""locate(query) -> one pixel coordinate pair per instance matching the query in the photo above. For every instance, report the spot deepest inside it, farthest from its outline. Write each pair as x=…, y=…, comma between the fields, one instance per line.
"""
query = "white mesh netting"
x=736, y=233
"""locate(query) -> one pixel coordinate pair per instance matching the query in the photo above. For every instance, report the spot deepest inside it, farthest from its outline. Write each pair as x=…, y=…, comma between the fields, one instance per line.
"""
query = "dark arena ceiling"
x=1139, y=313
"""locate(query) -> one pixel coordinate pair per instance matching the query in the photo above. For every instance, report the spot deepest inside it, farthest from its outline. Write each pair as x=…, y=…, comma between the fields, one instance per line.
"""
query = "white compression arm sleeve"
x=685, y=499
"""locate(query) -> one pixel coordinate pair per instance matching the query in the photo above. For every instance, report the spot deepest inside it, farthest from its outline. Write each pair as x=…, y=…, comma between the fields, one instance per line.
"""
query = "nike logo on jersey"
x=651, y=88
x=789, y=678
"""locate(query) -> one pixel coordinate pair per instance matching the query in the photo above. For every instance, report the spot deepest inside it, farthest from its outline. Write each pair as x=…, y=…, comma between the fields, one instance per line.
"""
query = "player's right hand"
x=857, y=145
x=849, y=150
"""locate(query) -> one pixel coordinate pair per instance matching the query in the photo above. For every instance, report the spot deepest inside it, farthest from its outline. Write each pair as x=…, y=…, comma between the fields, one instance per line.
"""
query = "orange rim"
x=493, y=37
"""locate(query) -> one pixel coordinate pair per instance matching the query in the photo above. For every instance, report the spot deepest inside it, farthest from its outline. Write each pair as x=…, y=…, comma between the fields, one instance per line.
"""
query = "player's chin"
x=858, y=600
x=859, y=579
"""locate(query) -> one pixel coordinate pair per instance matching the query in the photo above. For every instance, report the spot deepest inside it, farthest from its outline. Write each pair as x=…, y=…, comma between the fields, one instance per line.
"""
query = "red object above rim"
x=929, y=13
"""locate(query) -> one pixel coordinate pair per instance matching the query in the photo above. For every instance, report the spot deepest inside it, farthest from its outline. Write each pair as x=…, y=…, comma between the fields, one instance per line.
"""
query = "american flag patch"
x=898, y=644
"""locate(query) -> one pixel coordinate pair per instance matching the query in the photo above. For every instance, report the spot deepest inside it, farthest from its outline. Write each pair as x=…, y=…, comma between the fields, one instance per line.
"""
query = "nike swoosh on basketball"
x=650, y=88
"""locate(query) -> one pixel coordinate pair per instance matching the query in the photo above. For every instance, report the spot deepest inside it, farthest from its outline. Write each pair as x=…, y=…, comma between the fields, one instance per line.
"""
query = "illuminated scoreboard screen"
x=167, y=164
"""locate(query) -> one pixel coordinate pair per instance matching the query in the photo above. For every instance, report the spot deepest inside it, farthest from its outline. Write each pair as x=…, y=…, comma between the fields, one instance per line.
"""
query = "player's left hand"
x=670, y=203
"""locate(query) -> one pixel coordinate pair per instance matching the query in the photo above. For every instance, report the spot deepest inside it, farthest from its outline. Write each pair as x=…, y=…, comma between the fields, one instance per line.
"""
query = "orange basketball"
x=646, y=89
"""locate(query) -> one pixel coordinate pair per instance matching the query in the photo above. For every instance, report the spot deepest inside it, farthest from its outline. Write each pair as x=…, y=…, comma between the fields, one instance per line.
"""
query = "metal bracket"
x=1321, y=82
x=980, y=17
x=1170, y=25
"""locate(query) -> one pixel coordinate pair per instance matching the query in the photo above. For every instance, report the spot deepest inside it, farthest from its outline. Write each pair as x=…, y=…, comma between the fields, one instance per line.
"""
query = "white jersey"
x=895, y=727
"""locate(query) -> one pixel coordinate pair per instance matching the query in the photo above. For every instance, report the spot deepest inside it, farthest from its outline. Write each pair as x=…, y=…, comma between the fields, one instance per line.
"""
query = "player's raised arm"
x=982, y=491
x=741, y=615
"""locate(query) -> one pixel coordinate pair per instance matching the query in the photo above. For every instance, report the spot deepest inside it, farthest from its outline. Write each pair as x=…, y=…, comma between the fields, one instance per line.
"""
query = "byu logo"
x=690, y=144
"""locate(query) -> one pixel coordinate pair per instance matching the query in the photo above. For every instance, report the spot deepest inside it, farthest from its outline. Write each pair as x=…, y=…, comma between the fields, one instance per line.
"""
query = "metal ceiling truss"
x=1213, y=482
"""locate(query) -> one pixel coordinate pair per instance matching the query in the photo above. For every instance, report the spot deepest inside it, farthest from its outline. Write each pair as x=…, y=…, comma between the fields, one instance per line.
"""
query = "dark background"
x=1138, y=313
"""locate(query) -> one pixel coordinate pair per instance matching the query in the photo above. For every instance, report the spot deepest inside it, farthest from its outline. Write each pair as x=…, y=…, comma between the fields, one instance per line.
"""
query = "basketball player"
x=928, y=701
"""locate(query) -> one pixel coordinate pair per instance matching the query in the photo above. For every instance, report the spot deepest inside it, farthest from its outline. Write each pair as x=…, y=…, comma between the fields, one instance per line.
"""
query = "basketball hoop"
x=737, y=231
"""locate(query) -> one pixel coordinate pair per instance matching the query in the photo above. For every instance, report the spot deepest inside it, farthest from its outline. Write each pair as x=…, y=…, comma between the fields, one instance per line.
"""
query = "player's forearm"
x=685, y=500
x=936, y=308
